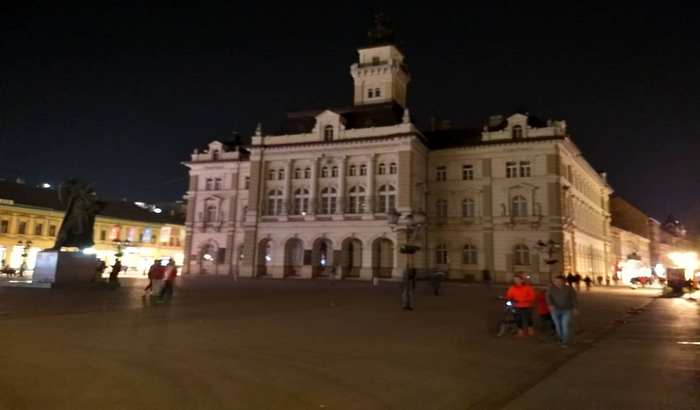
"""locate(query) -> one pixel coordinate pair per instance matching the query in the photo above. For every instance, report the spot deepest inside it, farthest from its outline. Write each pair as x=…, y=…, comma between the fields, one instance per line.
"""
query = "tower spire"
x=381, y=32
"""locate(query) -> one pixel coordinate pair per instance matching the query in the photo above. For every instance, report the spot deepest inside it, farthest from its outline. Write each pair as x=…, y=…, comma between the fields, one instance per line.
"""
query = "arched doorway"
x=351, y=259
x=382, y=257
x=322, y=257
x=293, y=257
x=264, y=256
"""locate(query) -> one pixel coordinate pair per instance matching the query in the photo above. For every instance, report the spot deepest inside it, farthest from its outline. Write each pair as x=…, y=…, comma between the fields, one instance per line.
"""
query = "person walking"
x=408, y=287
x=570, y=279
x=523, y=297
x=114, y=273
x=588, y=281
x=437, y=282
x=152, y=273
x=562, y=303
x=170, y=275
x=577, y=281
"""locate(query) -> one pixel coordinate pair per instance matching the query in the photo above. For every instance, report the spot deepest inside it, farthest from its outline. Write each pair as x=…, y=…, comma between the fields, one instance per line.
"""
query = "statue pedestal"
x=64, y=268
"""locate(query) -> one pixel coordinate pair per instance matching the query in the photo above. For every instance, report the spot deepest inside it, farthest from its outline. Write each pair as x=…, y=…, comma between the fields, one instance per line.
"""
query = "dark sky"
x=120, y=95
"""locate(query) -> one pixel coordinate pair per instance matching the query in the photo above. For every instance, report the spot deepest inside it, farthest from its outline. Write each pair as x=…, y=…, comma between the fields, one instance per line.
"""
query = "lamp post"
x=411, y=224
x=549, y=248
x=26, y=247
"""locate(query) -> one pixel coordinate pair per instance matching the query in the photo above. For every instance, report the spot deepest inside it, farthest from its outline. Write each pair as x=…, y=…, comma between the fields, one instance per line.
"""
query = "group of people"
x=159, y=272
x=556, y=305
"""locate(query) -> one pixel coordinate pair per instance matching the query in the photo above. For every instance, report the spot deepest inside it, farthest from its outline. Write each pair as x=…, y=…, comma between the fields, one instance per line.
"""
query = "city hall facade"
x=314, y=200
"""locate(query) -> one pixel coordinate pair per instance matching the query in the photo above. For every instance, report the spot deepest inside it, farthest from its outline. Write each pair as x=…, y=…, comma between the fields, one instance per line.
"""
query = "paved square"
x=268, y=344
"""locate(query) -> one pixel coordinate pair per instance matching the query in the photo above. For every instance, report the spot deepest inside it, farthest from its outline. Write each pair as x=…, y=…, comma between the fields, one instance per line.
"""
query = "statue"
x=81, y=204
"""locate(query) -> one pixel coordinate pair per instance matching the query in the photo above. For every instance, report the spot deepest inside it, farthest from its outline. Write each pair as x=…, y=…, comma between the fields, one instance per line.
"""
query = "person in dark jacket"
x=562, y=303
x=408, y=287
x=114, y=273
x=170, y=275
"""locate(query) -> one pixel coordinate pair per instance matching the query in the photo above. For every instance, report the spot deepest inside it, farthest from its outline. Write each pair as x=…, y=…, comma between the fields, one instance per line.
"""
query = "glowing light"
x=268, y=258
x=633, y=268
x=46, y=185
x=689, y=343
x=686, y=260
x=89, y=251
x=157, y=210
x=660, y=270
x=208, y=257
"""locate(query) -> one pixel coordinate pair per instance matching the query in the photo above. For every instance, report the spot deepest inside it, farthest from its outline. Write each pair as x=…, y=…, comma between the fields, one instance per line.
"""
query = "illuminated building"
x=34, y=214
x=312, y=199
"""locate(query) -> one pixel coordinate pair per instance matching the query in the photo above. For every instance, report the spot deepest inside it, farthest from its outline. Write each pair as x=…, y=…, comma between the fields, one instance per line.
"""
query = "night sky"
x=121, y=95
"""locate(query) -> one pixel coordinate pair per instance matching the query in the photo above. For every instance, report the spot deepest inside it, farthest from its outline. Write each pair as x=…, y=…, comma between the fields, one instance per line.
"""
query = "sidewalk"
x=651, y=362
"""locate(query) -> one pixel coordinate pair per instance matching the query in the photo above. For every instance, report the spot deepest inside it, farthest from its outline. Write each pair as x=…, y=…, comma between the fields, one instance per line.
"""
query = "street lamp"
x=549, y=248
x=409, y=223
x=26, y=247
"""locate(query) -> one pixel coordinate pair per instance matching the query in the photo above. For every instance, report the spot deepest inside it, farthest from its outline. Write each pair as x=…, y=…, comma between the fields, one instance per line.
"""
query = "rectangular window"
x=208, y=184
x=22, y=228
x=511, y=169
x=525, y=169
x=103, y=235
x=370, y=93
x=4, y=226
x=39, y=229
x=217, y=184
x=246, y=185
x=441, y=173
x=467, y=172
x=52, y=230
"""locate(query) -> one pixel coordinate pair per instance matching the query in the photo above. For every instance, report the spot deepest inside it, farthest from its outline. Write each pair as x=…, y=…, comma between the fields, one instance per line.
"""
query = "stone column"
x=342, y=187
x=404, y=191
x=313, y=192
x=288, y=170
x=371, y=190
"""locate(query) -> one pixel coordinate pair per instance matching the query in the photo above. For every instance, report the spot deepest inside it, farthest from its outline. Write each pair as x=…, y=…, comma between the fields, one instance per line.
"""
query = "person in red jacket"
x=523, y=297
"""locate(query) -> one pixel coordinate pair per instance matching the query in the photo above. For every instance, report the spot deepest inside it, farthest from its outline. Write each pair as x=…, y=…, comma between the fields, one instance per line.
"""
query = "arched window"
x=297, y=173
x=468, y=208
x=334, y=171
x=307, y=173
x=393, y=168
x=363, y=169
x=352, y=171
x=280, y=174
x=441, y=209
x=441, y=254
x=328, y=133
x=387, y=198
x=356, y=200
x=382, y=169
x=517, y=132
x=210, y=215
x=324, y=172
x=522, y=255
x=301, y=201
x=519, y=206
x=274, y=202
x=329, y=198
x=469, y=255
x=271, y=174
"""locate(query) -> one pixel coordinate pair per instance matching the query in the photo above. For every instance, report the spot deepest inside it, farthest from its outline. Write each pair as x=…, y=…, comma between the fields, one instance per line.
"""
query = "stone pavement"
x=271, y=344
x=651, y=362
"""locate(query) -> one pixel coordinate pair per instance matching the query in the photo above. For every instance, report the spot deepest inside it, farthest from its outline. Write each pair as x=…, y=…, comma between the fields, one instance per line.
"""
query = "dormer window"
x=517, y=132
x=328, y=133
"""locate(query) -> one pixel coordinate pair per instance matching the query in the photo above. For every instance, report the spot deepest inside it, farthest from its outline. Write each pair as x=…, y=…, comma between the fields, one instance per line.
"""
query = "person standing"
x=486, y=276
x=562, y=303
x=588, y=281
x=523, y=297
x=437, y=282
x=577, y=281
x=170, y=275
x=408, y=287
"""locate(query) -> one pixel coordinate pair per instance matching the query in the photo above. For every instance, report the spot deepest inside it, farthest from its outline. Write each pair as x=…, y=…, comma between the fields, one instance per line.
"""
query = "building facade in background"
x=313, y=199
x=30, y=219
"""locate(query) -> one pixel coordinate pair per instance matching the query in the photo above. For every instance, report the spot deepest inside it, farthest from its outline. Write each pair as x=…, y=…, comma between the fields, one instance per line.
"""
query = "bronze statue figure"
x=81, y=205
